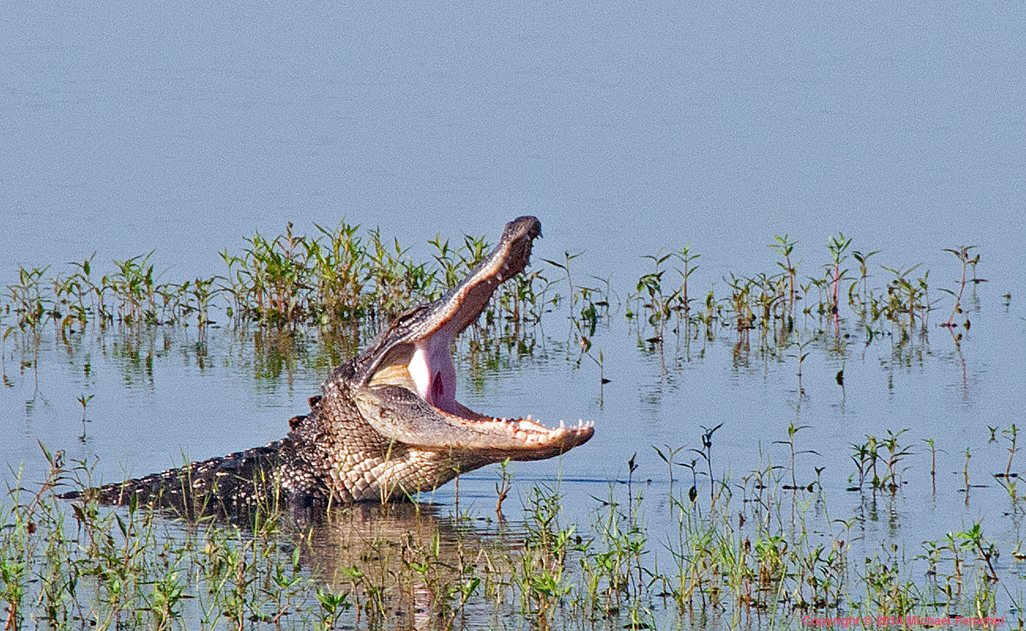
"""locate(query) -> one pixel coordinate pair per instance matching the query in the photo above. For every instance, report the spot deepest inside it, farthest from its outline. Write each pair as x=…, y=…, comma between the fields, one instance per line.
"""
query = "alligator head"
x=399, y=393
x=386, y=425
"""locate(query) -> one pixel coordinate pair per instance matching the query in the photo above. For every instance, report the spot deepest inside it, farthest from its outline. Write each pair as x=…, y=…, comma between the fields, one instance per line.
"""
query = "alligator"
x=386, y=425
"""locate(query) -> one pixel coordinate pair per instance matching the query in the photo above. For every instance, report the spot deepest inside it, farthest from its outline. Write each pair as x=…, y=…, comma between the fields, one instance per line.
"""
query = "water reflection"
x=410, y=564
x=417, y=564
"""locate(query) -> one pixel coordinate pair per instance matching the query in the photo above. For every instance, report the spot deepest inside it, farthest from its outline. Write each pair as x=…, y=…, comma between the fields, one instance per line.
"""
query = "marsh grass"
x=342, y=284
x=345, y=275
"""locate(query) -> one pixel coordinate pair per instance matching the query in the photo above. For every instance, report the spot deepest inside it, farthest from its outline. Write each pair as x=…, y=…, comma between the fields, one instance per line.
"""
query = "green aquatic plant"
x=1007, y=479
x=860, y=300
x=198, y=296
x=801, y=355
x=838, y=246
x=337, y=277
x=133, y=284
x=705, y=453
x=612, y=558
x=84, y=401
x=334, y=605
x=347, y=278
x=687, y=258
x=565, y=266
x=963, y=255
x=870, y=456
x=339, y=273
x=650, y=294
x=906, y=297
x=933, y=463
x=793, y=453
x=396, y=281
x=503, y=487
x=730, y=559
x=28, y=299
x=739, y=304
x=865, y=456
x=965, y=473
x=784, y=246
x=542, y=580
x=890, y=590
x=896, y=454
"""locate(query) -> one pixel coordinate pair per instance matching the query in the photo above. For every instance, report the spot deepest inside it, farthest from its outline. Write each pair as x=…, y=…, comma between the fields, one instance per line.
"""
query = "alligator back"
x=287, y=474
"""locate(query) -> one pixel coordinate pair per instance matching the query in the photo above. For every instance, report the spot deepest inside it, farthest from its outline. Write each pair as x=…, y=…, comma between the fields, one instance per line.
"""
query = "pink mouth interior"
x=434, y=373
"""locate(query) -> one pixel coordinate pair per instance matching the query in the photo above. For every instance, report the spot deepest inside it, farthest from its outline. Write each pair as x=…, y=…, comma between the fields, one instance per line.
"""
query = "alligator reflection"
x=408, y=563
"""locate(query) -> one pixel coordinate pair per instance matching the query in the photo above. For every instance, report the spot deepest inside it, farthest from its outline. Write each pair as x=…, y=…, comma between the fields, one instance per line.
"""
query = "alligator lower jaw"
x=431, y=418
x=430, y=375
x=413, y=402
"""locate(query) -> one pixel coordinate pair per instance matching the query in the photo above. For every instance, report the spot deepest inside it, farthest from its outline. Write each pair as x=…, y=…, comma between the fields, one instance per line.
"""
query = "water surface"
x=181, y=128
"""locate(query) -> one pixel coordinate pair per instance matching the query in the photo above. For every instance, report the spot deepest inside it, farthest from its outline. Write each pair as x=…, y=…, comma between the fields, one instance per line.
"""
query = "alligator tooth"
x=529, y=417
x=562, y=425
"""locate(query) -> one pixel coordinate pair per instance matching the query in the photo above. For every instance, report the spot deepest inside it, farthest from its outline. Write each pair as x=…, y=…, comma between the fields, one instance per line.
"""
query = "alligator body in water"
x=385, y=426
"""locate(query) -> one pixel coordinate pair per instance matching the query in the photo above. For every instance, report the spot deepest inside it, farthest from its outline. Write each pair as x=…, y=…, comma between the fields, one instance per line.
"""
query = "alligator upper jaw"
x=406, y=381
x=429, y=330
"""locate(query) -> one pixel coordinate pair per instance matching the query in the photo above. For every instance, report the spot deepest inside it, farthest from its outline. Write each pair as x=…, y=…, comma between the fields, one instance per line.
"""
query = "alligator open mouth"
x=408, y=376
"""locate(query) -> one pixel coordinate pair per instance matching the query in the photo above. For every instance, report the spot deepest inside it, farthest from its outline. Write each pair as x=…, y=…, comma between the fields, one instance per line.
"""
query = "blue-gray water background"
x=182, y=126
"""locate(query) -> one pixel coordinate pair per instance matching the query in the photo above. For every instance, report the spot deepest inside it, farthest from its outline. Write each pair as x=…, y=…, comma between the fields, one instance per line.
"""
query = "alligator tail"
x=261, y=479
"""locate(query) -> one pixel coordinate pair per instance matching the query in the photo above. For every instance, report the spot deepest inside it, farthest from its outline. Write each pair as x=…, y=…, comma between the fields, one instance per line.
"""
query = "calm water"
x=181, y=128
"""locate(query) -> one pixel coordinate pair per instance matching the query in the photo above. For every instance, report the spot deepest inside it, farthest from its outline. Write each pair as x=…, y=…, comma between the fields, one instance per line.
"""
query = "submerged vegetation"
x=763, y=545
